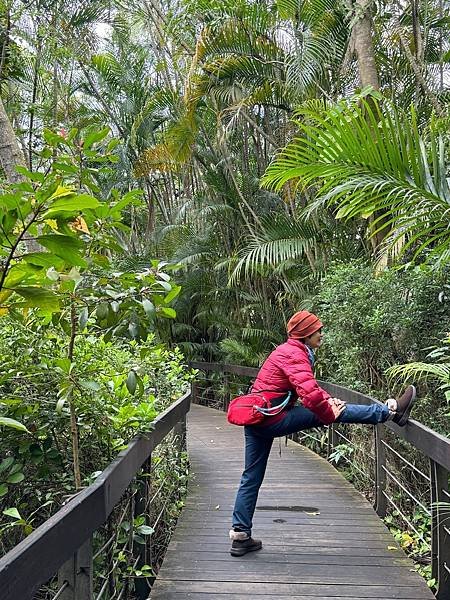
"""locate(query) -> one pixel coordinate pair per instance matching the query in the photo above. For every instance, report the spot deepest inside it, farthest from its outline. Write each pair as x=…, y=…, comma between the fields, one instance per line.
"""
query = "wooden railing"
x=64, y=543
x=222, y=382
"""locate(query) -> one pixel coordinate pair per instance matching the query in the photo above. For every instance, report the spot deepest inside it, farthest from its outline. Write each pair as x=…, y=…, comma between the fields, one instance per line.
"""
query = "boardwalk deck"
x=334, y=547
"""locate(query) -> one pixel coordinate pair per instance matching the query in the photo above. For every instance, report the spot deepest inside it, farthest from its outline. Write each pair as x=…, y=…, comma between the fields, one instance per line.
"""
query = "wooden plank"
x=344, y=551
x=168, y=595
x=288, y=546
x=163, y=590
x=309, y=574
x=273, y=534
x=320, y=571
x=322, y=556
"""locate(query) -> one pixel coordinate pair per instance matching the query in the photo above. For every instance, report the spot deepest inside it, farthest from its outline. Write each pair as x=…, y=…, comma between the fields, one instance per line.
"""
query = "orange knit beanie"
x=302, y=325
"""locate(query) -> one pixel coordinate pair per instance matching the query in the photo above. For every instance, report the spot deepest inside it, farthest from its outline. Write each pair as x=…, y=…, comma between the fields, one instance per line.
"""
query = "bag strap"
x=281, y=392
x=275, y=410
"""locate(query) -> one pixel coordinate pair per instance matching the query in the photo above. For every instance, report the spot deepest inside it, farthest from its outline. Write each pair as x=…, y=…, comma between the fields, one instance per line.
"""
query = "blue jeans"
x=258, y=442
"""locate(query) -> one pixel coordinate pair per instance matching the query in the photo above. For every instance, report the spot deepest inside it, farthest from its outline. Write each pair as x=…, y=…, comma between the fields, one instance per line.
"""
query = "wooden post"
x=440, y=529
x=194, y=394
x=77, y=571
x=332, y=439
x=142, y=585
x=380, y=473
x=180, y=433
x=226, y=392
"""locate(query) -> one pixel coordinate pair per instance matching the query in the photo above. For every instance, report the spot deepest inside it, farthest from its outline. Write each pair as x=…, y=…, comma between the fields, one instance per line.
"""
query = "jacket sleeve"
x=299, y=372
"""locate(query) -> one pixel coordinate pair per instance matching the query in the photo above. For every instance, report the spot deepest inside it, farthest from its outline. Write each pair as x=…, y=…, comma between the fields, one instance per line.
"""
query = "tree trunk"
x=368, y=74
x=73, y=414
x=11, y=155
x=37, y=63
x=362, y=31
x=5, y=41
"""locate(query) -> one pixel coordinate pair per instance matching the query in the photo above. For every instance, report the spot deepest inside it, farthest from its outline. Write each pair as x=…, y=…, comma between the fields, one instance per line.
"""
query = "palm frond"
x=280, y=239
x=365, y=160
x=420, y=371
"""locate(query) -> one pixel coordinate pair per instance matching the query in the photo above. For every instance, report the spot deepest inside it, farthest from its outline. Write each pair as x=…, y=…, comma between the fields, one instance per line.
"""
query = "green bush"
x=373, y=321
x=119, y=388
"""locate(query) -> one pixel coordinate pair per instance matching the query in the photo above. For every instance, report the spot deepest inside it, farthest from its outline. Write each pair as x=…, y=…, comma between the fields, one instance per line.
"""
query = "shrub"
x=373, y=321
x=38, y=463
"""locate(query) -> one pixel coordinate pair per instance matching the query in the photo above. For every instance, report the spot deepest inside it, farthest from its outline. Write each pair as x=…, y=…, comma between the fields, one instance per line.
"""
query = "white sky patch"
x=103, y=30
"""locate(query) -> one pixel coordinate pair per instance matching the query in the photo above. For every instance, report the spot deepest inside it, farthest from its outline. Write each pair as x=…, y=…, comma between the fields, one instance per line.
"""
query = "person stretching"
x=289, y=368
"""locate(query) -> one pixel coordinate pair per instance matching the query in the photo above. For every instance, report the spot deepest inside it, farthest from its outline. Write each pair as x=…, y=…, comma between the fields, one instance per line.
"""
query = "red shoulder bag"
x=254, y=407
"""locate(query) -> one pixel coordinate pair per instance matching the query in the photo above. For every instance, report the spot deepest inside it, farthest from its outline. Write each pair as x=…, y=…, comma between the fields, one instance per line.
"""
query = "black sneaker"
x=239, y=547
x=404, y=406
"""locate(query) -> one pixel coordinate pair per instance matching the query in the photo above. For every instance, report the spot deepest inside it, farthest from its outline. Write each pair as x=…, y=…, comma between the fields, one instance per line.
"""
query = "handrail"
x=39, y=556
x=430, y=442
x=433, y=445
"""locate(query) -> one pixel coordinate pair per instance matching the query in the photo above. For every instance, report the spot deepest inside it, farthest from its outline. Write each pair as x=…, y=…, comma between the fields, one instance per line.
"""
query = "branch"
x=417, y=72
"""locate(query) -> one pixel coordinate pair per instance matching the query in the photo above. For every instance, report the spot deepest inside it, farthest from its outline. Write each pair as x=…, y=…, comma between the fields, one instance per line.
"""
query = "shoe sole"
x=242, y=551
x=405, y=416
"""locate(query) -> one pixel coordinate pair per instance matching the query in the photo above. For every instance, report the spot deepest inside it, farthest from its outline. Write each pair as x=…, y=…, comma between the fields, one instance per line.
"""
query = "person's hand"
x=337, y=406
x=337, y=402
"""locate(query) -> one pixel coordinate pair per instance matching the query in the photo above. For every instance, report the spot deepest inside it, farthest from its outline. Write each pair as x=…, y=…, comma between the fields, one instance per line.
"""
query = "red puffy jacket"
x=288, y=368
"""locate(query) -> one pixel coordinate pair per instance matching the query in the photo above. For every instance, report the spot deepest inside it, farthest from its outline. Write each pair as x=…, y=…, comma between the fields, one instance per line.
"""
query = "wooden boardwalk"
x=332, y=546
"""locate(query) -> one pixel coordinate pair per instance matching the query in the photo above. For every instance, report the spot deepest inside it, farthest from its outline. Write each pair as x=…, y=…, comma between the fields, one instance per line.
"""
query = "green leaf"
x=67, y=247
x=32, y=176
x=53, y=139
x=149, y=308
x=43, y=259
x=12, y=512
x=65, y=167
x=140, y=385
x=83, y=318
x=14, y=424
x=10, y=201
x=92, y=386
x=168, y=312
x=3, y=489
x=46, y=152
x=15, y=478
x=95, y=136
x=60, y=404
x=17, y=466
x=102, y=310
x=165, y=285
x=133, y=197
x=6, y=463
x=139, y=540
x=52, y=274
x=176, y=289
x=72, y=204
x=61, y=192
x=64, y=364
x=145, y=530
x=37, y=297
x=131, y=382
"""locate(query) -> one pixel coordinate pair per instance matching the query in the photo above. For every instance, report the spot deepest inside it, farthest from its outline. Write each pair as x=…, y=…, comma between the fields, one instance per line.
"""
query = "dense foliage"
x=376, y=321
x=266, y=157
x=110, y=411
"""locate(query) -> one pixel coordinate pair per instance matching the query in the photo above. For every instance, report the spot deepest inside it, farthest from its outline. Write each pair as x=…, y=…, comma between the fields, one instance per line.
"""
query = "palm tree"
x=365, y=160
